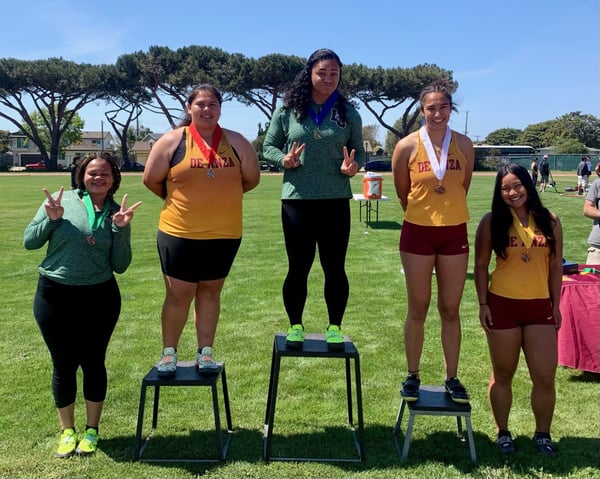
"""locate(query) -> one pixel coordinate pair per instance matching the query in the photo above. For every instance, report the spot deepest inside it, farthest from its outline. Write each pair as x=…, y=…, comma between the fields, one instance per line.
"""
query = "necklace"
x=318, y=118
x=438, y=167
x=94, y=219
x=525, y=233
x=210, y=153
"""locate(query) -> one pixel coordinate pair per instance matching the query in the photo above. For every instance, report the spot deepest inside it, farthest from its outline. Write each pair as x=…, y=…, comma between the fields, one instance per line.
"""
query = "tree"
x=57, y=89
x=381, y=90
x=583, y=128
x=537, y=135
x=503, y=136
x=369, y=133
x=391, y=139
x=571, y=146
x=266, y=80
x=71, y=133
x=4, y=145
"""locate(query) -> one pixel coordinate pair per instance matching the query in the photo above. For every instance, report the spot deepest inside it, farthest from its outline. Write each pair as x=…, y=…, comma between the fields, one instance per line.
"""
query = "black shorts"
x=196, y=260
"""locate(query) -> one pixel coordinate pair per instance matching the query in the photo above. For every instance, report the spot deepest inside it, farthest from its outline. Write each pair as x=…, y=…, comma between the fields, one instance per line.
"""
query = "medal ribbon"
x=210, y=154
x=526, y=234
x=439, y=168
x=95, y=220
x=319, y=117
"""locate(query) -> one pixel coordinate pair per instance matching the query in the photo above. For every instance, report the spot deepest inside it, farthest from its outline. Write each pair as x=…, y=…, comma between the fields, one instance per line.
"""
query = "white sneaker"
x=167, y=365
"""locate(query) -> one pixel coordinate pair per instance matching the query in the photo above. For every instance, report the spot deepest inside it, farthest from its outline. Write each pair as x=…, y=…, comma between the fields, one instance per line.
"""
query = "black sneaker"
x=544, y=444
x=457, y=391
x=410, y=388
x=505, y=442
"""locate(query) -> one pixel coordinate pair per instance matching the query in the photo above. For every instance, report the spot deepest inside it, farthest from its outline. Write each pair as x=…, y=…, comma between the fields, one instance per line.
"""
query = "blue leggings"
x=76, y=323
x=306, y=225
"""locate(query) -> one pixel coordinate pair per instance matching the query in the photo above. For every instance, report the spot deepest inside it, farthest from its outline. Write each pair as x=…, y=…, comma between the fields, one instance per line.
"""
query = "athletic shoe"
x=67, y=443
x=168, y=363
x=505, y=442
x=544, y=444
x=205, y=362
x=295, y=337
x=88, y=443
x=334, y=338
x=410, y=388
x=457, y=391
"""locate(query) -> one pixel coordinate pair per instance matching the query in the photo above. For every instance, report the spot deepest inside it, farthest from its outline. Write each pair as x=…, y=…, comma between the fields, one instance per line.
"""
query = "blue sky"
x=518, y=62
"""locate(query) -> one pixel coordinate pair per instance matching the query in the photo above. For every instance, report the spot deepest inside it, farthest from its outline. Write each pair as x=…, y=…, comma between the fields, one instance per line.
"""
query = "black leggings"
x=76, y=323
x=306, y=225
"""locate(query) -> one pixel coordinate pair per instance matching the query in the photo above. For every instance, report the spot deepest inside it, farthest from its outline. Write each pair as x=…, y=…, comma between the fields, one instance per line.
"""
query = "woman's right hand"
x=54, y=209
x=485, y=317
x=292, y=159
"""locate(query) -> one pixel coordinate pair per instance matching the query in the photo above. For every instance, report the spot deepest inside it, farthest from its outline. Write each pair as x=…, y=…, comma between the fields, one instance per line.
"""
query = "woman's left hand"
x=123, y=217
x=349, y=166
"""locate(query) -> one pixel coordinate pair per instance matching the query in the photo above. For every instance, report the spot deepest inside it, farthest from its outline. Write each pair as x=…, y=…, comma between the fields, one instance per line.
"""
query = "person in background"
x=545, y=173
x=591, y=209
x=432, y=170
x=583, y=175
x=73, y=170
x=533, y=171
x=77, y=302
x=519, y=306
x=316, y=137
x=201, y=171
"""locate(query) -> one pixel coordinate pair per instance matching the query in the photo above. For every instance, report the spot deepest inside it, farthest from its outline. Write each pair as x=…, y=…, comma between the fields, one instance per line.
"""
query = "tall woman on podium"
x=432, y=170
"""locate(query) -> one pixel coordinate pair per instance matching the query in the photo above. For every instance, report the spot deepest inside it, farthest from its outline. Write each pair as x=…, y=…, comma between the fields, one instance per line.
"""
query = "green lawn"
x=311, y=409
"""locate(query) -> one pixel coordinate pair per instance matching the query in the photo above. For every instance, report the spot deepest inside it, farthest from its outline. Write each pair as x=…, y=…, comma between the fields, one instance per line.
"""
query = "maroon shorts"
x=430, y=240
x=510, y=313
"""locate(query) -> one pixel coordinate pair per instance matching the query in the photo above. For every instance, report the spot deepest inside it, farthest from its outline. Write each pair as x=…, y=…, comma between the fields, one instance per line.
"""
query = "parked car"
x=378, y=165
x=133, y=166
x=39, y=166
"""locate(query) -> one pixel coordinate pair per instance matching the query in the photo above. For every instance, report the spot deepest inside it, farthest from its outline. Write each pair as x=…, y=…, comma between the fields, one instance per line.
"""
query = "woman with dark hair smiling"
x=77, y=302
x=519, y=304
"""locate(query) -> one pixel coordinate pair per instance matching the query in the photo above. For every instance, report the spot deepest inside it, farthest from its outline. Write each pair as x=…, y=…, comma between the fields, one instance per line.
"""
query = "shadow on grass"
x=384, y=225
x=584, y=376
x=442, y=448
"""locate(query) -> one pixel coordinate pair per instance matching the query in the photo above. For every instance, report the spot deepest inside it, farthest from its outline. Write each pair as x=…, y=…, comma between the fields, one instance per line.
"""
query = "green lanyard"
x=95, y=220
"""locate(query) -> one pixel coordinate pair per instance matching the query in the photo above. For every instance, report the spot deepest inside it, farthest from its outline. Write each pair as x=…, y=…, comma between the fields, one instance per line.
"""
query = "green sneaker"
x=67, y=443
x=168, y=363
x=205, y=362
x=295, y=337
x=88, y=443
x=334, y=338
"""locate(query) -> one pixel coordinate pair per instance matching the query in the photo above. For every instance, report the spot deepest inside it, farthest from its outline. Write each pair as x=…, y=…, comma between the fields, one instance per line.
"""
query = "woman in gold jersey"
x=519, y=304
x=432, y=171
x=201, y=171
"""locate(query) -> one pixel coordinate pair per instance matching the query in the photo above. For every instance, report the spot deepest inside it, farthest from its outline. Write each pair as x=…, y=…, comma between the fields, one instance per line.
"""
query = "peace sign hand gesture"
x=349, y=166
x=123, y=217
x=292, y=159
x=54, y=209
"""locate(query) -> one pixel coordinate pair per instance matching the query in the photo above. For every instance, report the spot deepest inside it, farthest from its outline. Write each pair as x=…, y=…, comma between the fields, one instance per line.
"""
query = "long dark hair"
x=299, y=94
x=502, y=217
x=105, y=155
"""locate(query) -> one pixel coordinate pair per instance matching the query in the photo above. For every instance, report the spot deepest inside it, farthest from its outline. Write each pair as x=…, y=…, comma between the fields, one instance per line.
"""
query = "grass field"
x=311, y=409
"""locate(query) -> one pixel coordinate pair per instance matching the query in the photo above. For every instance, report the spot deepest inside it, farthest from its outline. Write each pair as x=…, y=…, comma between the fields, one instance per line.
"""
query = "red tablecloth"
x=579, y=335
